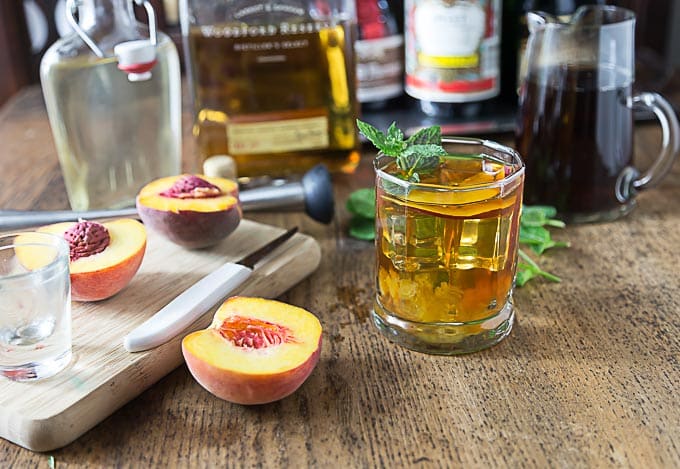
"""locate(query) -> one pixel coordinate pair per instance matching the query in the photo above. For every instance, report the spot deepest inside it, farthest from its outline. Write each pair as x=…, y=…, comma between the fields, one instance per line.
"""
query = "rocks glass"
x=35, y=305
x=447, y=248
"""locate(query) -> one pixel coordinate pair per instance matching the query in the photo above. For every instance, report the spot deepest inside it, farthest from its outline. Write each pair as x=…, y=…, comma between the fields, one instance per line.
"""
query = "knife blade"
x=190, y=305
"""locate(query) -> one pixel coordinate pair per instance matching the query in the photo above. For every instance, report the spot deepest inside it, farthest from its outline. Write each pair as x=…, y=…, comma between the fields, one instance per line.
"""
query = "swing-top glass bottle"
x=116, y=125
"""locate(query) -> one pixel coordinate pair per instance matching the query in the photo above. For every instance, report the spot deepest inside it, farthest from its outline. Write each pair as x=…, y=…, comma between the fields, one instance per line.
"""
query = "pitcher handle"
x=630, y=181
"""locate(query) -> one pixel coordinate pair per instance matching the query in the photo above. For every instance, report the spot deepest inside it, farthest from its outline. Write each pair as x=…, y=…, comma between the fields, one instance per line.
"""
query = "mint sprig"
x=419, y=153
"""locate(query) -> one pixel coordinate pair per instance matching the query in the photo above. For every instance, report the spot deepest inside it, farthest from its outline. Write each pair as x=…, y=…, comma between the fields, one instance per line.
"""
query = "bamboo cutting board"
x=102, y=375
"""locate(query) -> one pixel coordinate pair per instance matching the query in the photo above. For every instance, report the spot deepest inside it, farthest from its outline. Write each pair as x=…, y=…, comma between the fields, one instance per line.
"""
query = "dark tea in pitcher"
x=575, y=135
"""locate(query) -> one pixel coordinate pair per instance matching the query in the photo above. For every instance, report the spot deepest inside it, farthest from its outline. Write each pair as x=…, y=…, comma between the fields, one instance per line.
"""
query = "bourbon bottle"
x=273, y=83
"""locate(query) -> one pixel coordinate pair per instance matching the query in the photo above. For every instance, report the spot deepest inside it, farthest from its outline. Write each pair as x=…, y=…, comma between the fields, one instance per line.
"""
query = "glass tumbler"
x=447, y=248
x=35, y=305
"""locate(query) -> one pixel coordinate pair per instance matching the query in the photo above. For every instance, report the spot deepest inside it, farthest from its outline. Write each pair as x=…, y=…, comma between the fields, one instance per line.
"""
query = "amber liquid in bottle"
x=277, y=102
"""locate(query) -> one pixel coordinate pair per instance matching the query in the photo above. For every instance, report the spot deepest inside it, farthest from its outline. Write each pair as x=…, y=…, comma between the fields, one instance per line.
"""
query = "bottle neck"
x=105, y=12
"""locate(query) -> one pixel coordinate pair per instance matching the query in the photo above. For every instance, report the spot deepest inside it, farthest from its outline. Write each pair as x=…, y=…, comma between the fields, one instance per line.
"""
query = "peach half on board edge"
x=193, y=211
x=103, y=256
x=255, y=351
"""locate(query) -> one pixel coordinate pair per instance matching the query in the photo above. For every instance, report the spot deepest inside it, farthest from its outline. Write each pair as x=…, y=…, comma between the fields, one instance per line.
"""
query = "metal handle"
x=72, y=9
x=314, y=195
x=285, y=197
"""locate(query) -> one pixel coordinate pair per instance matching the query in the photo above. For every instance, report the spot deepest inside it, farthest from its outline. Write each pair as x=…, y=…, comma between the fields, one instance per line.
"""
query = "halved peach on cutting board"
x=194, y=211
x=103, y=256
x=255, y=351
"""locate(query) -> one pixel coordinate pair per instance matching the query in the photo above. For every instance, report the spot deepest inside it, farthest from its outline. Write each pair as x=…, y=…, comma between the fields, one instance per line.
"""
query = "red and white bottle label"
x=452, y=50
x=379, y=68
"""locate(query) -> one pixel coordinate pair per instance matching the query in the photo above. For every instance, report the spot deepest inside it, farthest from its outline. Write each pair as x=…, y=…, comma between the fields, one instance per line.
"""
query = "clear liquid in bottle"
x=112, y=135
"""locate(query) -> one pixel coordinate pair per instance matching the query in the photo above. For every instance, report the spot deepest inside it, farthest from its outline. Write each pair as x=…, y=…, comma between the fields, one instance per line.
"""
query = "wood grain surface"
x=588, y=377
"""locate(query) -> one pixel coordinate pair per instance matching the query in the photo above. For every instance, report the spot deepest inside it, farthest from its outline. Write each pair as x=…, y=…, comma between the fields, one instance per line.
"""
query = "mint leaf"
x=532, y=233
x=531, y=269
x=422, y=157
x=426, y=150
x=421, y=152
x=428, y=135
x=362, y=203
x=544, y=211
x=391, y=144
x=375, y=136
x=540, y=215
x=362, y=228
x=524, y=273
x=394, y=133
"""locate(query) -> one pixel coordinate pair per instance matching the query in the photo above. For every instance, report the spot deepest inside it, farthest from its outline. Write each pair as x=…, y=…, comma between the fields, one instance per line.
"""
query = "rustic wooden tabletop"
x=587, y=378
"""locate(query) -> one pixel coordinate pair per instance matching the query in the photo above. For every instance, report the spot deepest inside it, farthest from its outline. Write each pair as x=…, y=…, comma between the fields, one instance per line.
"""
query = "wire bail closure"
x=136, y=58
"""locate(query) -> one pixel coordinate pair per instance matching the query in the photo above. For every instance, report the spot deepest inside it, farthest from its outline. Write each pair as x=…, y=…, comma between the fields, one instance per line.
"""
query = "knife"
x=190, y=305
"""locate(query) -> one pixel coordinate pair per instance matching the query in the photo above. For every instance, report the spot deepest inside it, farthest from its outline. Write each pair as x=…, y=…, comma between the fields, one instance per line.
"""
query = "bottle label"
x=452, y=50
x=259, y=134
x=379, y=68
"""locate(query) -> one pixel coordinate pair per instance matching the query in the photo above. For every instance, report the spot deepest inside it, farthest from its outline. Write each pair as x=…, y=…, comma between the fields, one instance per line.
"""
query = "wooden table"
x=588, y=377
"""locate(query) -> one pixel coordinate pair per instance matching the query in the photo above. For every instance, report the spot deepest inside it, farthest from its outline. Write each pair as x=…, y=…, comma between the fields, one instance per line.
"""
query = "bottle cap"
x=136, y=58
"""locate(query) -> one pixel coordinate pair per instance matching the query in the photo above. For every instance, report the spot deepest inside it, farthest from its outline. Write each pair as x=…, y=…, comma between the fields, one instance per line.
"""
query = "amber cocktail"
x=447, y=248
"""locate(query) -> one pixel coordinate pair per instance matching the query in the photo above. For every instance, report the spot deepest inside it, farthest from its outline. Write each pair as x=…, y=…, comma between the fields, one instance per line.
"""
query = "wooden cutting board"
x=102, y=375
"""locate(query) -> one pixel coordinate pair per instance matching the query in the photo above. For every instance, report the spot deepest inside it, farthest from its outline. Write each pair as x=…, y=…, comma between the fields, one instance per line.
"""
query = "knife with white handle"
x=190, y=305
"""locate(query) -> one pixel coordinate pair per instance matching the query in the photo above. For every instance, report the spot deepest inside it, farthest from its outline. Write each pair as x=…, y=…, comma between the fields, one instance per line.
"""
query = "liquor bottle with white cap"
x=452, y=50
x=113, y=96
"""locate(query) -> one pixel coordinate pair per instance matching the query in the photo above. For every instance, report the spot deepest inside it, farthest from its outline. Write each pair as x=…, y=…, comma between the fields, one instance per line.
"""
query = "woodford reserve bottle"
x=452, y=54
x=273, y=83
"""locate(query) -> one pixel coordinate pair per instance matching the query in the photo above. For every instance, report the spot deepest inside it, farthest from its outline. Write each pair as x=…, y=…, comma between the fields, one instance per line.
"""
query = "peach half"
x=255, y=351
x=104, y=257
x=193, y=211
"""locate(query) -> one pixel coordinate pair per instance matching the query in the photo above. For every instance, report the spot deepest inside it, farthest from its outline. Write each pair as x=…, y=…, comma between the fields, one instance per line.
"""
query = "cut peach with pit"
x=194, y=211
x=103, y=256
x=255, y=351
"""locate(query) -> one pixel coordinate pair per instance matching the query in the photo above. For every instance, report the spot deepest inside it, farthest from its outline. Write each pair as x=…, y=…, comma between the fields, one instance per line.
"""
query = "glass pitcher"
x=113, y=96
x=575, y=129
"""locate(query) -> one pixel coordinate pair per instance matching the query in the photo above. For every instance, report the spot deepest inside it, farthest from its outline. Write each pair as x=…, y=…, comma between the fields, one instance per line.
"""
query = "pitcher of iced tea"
x=575, y=130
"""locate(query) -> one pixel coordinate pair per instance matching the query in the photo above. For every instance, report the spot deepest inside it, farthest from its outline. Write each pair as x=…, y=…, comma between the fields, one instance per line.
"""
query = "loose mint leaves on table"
x=534, y=234
x=423, y=152
x=361, y=204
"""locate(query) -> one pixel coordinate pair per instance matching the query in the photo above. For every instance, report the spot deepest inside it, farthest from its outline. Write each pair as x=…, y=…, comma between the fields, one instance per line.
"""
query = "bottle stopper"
x=136, y=58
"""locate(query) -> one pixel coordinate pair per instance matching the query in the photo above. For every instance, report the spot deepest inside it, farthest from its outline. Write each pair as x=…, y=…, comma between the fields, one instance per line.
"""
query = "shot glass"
x=447, y=248
x=35, y=305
